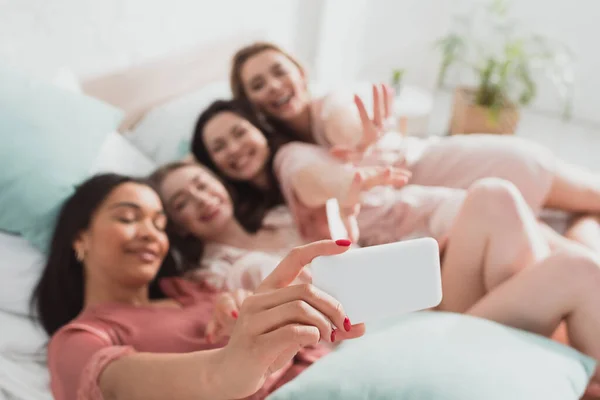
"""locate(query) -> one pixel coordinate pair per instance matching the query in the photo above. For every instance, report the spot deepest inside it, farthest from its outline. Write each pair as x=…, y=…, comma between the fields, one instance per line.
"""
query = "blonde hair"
x=242, y=56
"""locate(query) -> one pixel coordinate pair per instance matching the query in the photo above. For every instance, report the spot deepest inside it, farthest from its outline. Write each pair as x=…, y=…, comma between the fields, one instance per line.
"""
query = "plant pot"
x=468, y=117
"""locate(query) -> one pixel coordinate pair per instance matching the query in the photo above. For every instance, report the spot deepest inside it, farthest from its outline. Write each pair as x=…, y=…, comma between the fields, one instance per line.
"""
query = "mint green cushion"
x=445, y=356
x=49, y=138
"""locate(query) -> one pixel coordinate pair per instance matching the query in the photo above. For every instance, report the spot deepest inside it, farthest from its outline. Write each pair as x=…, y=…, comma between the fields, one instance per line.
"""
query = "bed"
x=160, y=100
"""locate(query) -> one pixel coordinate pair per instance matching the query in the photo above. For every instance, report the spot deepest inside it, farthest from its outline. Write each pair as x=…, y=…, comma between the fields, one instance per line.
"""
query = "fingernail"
x=234, y=314
x=347, y=324
x=333, y=333
x=343, y=242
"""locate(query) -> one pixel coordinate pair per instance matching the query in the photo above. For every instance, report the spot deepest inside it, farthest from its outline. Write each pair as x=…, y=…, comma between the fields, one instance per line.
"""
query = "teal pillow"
x=49, y=138
x=445, y=356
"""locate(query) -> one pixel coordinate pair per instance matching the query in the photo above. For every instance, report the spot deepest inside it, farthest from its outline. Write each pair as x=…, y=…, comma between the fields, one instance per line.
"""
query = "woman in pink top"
x=219, y=247
x=123, y=326
x=231, y=145
x=276, y=86
x=491, y=219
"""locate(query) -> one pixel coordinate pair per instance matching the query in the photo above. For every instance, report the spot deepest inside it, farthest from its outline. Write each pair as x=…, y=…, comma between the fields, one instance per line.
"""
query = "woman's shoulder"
x=89, y=324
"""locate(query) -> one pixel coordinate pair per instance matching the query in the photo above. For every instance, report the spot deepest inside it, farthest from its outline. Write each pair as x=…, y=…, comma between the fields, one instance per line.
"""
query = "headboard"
x=138, y=89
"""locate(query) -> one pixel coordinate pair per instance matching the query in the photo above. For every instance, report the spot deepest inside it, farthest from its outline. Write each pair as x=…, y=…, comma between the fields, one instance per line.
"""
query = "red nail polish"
x=343, y=242
x=347, y=324
x=234, y=314
x=333, y=333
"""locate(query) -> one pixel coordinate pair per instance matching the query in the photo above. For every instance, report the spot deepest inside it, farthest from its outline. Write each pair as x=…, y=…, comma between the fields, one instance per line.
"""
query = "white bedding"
x=23, y=372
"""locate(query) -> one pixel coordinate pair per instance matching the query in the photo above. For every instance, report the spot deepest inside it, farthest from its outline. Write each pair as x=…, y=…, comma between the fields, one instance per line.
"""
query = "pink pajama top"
x=79, y=352
x=443, y=169
x=225, y=267
x=453, y=161
x=387, y=214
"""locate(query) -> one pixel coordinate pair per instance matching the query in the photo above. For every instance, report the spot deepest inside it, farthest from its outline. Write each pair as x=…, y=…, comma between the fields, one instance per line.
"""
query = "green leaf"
x=452, y=47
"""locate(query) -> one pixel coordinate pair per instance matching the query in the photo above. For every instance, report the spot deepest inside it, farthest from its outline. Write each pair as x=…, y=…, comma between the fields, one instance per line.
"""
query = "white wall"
x=400, y=33
x=340, y=40
x=574, y=22
x=95, y=36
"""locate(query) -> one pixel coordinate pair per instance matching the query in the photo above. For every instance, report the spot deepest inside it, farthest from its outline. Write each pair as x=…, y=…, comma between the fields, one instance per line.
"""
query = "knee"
x=578, y=265
x=495, y=195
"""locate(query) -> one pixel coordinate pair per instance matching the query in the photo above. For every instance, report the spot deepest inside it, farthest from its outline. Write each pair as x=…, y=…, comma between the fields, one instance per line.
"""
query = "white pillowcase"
x=118, y=155
x=165, y=132
x=20, y=268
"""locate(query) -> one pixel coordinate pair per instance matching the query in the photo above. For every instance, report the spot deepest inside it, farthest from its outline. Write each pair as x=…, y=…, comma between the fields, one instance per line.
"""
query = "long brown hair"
x=242, y=56
x=59, y=294
x=251, y=202
x=281, y=130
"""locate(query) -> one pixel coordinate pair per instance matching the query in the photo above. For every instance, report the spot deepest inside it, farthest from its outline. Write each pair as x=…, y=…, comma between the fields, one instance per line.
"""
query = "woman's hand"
x=367, y=178
x=225, y=315
x=279, y=320
x=373, y=129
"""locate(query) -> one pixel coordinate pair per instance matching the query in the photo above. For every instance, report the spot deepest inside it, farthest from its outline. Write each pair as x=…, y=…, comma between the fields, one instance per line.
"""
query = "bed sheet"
x=23, y=372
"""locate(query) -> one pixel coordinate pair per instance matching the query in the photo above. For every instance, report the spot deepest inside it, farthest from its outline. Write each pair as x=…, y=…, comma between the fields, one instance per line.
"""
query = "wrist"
x=213, y=374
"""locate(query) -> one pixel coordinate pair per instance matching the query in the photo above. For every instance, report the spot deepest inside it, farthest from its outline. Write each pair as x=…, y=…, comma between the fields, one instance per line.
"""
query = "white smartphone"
x=337, y=229
x=379, y=282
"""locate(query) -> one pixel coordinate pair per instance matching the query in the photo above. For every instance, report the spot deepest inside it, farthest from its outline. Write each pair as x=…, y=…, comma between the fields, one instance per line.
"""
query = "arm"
x=340, y=122
x=273, y=326
x=85, y=365
x=315, y=176
x=347, y=126
x=163, y=376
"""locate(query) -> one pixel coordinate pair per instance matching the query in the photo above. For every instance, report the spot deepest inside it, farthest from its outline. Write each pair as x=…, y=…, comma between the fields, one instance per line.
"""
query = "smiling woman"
x=204, y=229
x=228, y=136
x=95, y=300
x=93, y=223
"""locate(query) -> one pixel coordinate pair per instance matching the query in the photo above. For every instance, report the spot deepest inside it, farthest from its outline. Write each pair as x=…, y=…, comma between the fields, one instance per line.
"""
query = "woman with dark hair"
x=242, y=151
x=255, y=184
x=95, y=299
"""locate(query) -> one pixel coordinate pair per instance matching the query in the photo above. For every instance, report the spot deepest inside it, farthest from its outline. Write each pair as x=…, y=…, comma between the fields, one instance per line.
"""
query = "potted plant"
x=503, y=65
x=397, y=78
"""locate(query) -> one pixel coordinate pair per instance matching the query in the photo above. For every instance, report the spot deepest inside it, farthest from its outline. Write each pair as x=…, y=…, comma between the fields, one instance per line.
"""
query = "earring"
x=80, y=255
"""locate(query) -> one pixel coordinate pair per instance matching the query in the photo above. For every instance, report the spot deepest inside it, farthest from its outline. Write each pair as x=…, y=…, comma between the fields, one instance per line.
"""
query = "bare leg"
x=494, y=236
x=586, y=230
x=574, y=189
x=562, y=286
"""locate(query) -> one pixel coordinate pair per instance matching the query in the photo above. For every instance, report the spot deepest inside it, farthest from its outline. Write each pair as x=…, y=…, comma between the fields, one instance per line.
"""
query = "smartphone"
x=379, y=282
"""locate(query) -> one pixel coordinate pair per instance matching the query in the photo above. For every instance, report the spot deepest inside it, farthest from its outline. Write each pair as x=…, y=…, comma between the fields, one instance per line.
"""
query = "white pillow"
x=66, y=79
x=165, y=132
x=20, y=268
x=118, y=155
